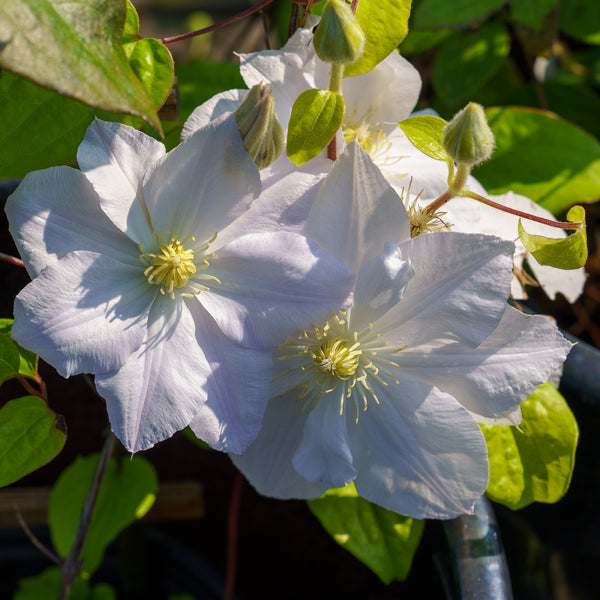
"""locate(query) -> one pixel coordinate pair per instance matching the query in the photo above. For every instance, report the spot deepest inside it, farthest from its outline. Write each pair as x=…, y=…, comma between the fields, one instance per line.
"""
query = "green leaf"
x=426, y=133
x=31, y=435
x=565, y=253
x=534, y=462
x=581, y=19
x=39, y=128
x=74, y=48
x=28, y=361
x=381, y=539
x=432, y=14
x=131, y=29
x=316, y=116
x=385, y=24
x=531, y=13
x=47, y=585
x=128, y=491
x=9, y=358
x=466, y=61
x=418, y=42
x=541, y=156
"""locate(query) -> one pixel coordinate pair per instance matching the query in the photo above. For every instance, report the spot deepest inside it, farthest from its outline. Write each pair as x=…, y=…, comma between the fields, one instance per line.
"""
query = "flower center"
x=173, y=266
x=337, y=358
x=370, y=136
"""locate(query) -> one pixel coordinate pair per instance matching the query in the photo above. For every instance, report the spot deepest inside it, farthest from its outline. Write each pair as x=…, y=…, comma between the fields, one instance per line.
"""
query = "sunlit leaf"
x=381, y=539
x=542, y=156
x=28, y=361
x=426, y=133
x=31, y=435
x=316, y=116
x=385, y=25
x=466, y=61
x=534, y=462
x=127, y=493
x=565, y=253
x=74, y=48
x=432, y=14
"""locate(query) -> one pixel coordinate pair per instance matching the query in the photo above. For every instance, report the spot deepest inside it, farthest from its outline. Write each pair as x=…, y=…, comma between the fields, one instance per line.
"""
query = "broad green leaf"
x=531, y=13
x=534, y=462
x=127, y=493
x=385, y=24
x=31, y=435
x=316, y=116
x=433, y=14
x=74, y=48
x=541, y=156
x=417, y=42
x=581, y=19
x=39, y=128
x=47, y=585
x=131, y=29
x=426, y=133
x=9, y=358
x=381, y=539
x=565, y=253
x=466, y=61
x=28, y=361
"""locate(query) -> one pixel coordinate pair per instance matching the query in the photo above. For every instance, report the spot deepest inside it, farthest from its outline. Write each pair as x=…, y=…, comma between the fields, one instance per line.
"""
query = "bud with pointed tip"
x=259, y=126
x=339, y=38
x=468, y=138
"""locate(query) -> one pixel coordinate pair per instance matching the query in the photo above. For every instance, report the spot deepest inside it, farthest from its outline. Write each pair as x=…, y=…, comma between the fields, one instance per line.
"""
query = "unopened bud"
x=259, y=126
x=339, y=38
x=468, y=138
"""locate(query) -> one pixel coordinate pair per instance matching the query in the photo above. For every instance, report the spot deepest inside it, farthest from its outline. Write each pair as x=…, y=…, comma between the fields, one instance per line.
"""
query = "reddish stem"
x=354, y=5
x=232, y=535
x=11, y=259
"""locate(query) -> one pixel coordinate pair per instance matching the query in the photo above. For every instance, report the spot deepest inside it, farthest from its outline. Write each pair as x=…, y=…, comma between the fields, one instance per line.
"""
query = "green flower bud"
x=339, y=38
x=259, y=126
x=468, y=138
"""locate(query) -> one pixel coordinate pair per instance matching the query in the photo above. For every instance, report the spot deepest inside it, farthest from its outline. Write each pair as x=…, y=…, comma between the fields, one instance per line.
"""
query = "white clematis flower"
x=145, y=275
x=383, y=393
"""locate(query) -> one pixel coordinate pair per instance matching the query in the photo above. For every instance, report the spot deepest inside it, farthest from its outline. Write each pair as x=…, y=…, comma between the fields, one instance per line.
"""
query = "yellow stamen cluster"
x=370, y=136
x=334, y=359
x=421, y=220
x=173, y=266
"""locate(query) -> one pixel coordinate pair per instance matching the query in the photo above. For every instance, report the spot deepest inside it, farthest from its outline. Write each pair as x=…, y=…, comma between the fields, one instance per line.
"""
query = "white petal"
x=56, y=211
x=324, y=454
x=356, y=211
x=115, y=158
x=420, y=454
x=273, y=284
x=236, y=390
x=212, y=109
x=558, y=281
x=500, y=373
x=85, y=314
x=511, y=417
x=203, y=184
x=384, y=95
x=289, y=71
x=380, y=285
x=267, y=464
x=459, y=289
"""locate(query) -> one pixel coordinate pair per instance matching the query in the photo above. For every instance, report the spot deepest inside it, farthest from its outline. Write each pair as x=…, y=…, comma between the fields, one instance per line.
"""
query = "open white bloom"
x=144, y=275
x=384, y=393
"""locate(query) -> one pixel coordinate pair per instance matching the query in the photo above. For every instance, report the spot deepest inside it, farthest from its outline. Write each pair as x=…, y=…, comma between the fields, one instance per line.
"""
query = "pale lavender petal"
x=115, y=158
x=380, y=285
x=458, y=292
x=203, y=184
x=419, y=453
x=161, y=387
x=85, y=314
x=267, y=464
x=507, y=367
x=212, y=109
x=324, y=454
x=237, y=389
x=273, y=284
x=356, y=211
x=56, y=211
